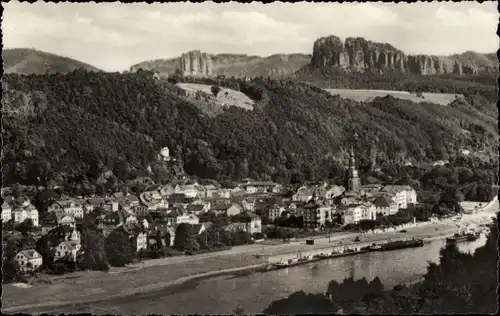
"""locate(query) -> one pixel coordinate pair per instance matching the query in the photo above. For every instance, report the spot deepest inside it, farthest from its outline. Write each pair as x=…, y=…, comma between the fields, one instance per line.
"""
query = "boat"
x=400, y=244
x=462, y=237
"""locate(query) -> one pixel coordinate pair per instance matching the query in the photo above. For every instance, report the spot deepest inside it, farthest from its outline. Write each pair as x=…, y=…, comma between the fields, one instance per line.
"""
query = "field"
x=368, y=95
x=233, y=98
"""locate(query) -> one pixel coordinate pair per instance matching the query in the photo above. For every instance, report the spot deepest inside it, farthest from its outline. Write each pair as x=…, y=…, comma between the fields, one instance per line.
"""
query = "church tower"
x=353, y=183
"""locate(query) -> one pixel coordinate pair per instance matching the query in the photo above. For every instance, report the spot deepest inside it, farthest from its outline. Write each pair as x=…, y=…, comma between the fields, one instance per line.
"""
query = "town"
x=185, y=218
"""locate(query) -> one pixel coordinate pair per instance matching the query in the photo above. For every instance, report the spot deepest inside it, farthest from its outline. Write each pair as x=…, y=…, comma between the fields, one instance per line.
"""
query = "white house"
x=20, y=215
x=234, y=209
x=6, y=212
x=28, y=260
x=385, y=205
x=190, y=190
x=275, y=211
x=303, y=194
x=67, y=248
x=402, y=195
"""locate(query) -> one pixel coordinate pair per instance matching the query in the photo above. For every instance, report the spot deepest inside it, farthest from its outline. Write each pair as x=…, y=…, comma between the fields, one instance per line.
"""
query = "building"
x=71, y=207
x=275, y=211
x=6, y=212
x=20, y=215
x=355, y=213
x=248, y=203
x=29, y=260
x=303, y=194
x=385, y=206
x=252, y=222
x=234, y=209
x=189, y=190
x=316, y=213
x=353, y=182
x=67, y=250
x=402, y=195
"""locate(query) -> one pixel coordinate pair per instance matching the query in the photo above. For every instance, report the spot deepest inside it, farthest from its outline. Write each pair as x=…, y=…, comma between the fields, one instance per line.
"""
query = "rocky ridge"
x=359, y=54
x=198, y=64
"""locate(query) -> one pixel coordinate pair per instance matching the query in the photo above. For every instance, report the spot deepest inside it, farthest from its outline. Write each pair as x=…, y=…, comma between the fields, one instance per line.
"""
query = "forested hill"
x=72, y=127
x=31, y=61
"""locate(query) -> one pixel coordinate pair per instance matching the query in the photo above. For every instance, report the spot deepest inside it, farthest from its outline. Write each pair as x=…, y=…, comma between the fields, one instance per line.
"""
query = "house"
x=385, y=205
x=303, y=194
x=248, y=203
x=20, y=215
x=67, y=220
x=210, y=190
x=64, y=233
x=236, y=226
x=274, y=212
x=252, y=221
x=6, y=211
x=402, y=195
x=118, y=218
x=189, y=190
x=28, y=260
x=251, y=186
x=316, y=213
x=354, y=213
x=167, y=190
x=68, y=250
x=158, y=237
x=153, y=200
x=137, y=235
x=71, y=207
x=48, y=222
x=198, y=209
x=234, y=209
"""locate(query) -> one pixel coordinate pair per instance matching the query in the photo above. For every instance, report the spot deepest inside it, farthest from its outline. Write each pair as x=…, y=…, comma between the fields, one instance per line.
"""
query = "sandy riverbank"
x=153, y=275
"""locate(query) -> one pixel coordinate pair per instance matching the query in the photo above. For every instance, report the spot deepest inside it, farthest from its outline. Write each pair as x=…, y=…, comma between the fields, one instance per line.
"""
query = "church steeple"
x=352, y=179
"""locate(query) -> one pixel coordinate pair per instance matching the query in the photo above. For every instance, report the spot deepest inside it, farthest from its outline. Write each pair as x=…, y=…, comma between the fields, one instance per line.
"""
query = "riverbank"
x=154, y=275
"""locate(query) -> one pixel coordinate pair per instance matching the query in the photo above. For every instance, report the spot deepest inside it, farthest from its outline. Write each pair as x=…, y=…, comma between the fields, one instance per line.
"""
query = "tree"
x=183, y=237
x=93, y=252
x=215, y=90
x=25, y=227
x=119, y=248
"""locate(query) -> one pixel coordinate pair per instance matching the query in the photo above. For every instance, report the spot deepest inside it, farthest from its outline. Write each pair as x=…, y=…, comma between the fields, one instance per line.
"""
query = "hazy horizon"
x=127, y=34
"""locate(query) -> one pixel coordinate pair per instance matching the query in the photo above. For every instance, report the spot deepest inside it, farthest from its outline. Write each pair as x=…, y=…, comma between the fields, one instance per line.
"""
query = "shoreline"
x=179, y=281
x=141, y=290
x=145, y=290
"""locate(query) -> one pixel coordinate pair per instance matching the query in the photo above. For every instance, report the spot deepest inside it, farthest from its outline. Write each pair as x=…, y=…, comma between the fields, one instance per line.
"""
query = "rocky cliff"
x=358, y=54
x=195, y=63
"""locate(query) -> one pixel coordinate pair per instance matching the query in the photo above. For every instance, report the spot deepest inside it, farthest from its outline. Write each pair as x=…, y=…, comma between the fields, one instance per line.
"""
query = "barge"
x=400, y=244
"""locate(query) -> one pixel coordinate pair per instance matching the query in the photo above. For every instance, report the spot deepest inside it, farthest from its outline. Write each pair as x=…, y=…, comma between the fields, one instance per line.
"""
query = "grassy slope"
x=30, y=61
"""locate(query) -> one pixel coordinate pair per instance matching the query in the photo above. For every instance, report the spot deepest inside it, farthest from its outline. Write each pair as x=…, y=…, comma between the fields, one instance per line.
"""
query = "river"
x=254, y=292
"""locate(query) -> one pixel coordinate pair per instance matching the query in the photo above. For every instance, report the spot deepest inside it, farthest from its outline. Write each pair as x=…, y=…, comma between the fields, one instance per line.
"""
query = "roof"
x=382, y=201
x=69, y=244
x=195, y=207
x=245, y=217
x=29, y=253
x=396, y=188
x=220, y=207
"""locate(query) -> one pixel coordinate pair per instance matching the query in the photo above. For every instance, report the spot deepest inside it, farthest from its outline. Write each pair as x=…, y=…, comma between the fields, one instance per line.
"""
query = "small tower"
x=353, y=182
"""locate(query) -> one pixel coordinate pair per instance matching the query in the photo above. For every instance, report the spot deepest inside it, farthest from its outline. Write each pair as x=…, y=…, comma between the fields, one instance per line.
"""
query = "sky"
x=114, y=36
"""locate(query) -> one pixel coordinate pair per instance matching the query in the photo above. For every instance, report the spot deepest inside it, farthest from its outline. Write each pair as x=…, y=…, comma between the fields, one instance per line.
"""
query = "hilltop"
x=331, y=58
x=70, y=127
x=31, y=61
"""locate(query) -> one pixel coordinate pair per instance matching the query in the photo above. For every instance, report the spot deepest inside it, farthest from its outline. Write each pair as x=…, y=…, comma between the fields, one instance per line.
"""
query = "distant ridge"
x=31, y=61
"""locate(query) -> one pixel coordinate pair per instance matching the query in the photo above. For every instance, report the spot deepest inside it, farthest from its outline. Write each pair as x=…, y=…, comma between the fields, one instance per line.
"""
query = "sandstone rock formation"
x=358, y=54
x=195, y=63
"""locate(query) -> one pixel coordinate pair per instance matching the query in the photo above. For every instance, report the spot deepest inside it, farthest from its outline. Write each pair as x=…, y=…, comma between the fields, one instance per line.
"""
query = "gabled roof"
x=69, y=244
x=29, y=253
x=382, y=201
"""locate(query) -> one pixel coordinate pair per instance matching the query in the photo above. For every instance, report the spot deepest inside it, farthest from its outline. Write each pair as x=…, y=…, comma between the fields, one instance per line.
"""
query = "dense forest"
x=67, y=128
x=484, y=85
x=458, y=283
